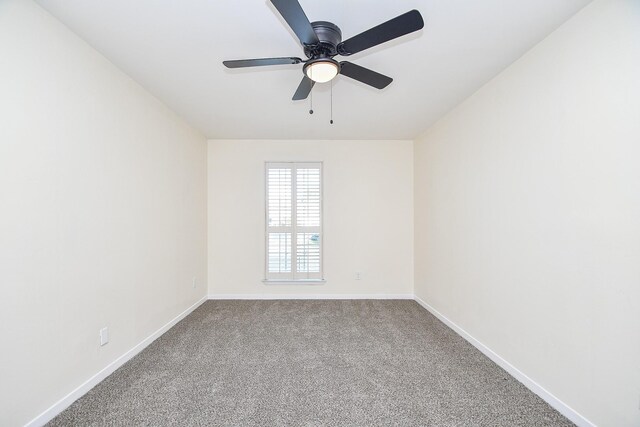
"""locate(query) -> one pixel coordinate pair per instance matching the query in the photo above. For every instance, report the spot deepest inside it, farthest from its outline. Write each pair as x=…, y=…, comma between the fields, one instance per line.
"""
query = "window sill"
x=294, y=282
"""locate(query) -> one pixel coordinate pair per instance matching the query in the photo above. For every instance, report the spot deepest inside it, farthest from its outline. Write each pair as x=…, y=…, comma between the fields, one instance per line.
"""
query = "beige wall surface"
x=102, y=212
x=368, y=216
x=527, y=216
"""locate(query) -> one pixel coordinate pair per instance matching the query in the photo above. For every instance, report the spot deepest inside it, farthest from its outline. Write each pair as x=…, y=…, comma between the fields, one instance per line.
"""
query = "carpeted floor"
x=310, y=363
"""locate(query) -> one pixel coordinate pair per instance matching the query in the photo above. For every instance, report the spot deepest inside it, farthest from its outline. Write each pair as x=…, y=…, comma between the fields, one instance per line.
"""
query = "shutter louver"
x=308, y=197
x=279, y=191
x=308, y=253
x=280, y=252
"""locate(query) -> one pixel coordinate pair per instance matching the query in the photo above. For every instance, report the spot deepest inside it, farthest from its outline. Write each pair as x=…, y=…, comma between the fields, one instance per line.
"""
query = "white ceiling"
x=175, y=50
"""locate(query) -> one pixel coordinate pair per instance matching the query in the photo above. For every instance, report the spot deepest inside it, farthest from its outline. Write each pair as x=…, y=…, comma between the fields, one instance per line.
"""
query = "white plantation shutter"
x=294, y=221
x=308, y=222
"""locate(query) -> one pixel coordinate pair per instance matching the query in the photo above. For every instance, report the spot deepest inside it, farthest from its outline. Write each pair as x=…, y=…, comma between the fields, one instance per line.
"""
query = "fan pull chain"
x=311, y=94
x=331, y=119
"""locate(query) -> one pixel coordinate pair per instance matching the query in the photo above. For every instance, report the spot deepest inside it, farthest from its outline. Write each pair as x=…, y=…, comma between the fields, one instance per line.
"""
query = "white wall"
x=528, y=214
x=102, y=212
x=368, y=216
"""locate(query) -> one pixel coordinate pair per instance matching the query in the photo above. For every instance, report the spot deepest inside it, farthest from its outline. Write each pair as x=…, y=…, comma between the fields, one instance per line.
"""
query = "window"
x=294, y=221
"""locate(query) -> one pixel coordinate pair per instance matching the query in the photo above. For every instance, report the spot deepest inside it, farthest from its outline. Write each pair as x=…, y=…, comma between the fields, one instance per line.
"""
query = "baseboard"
x=555, y=403
x=66, y=401
x=307, y=296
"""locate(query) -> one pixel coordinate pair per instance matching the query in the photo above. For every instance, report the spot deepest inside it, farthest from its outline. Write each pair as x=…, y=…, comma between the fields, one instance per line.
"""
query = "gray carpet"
x=310, y=363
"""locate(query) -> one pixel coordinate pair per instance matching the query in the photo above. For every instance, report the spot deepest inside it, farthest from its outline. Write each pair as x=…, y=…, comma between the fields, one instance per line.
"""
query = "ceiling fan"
x=322, y=41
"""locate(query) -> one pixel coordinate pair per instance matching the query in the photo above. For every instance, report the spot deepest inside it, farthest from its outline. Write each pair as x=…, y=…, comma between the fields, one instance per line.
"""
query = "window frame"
x=294, y=277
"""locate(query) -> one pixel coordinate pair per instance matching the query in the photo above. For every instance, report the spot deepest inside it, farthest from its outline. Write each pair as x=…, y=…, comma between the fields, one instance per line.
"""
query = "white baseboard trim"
x=307, y=296
x=555, y=403
x=66, y=401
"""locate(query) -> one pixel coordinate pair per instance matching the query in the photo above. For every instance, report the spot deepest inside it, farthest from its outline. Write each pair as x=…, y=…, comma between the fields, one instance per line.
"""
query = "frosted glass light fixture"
x=322, y=70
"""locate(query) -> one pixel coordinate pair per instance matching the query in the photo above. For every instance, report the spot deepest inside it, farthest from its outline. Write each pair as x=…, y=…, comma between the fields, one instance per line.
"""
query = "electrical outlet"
x=358, y=275
x=104, y=336
x=193, y=283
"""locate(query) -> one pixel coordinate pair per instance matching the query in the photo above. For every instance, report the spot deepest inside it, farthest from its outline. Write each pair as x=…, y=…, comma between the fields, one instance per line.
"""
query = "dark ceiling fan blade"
x=364, y=75
x=292, y=12
x=394, y=28
x=303, y=89
x=241, y=63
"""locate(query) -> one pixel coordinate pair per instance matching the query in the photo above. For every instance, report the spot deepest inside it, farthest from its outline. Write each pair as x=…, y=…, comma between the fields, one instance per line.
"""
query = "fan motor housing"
x=329, y=35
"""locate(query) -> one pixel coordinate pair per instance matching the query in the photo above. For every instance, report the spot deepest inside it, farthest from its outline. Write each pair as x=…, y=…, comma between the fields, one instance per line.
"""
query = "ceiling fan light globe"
x=322, y=71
